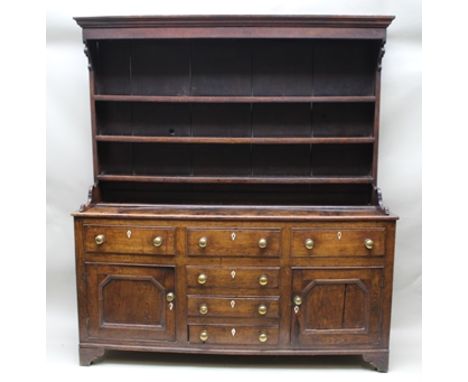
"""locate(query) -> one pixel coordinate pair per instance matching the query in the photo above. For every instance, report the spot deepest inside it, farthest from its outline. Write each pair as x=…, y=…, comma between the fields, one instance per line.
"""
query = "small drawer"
x=234, y=242
x=246, y=307
x=233, y=335
x=232, y=277
x=338, y=242
x=142, y=240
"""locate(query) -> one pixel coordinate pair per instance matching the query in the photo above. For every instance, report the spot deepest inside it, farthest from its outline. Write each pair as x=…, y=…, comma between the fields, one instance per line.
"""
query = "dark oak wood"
x=237, y=180
x=235, y=207
x=232, y=99
x=231, y=140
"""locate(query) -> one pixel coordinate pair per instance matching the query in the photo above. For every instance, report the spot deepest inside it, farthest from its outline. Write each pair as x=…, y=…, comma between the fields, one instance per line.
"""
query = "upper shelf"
x=235, y=26
x=233, y=99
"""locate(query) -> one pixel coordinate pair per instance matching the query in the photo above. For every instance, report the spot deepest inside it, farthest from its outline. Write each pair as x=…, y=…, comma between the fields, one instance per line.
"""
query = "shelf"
x=235, y=140
x=238, y=179
x=232, y=99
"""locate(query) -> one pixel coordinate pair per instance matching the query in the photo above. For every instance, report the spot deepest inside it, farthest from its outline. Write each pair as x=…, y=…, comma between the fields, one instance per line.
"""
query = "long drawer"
x=248, y=242
x=224, y=306
x=233, y=334
x=147, y=240
x=232, y=277
x=314, y=242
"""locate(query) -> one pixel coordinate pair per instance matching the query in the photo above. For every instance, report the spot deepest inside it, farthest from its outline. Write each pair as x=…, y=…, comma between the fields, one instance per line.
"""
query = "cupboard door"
x=333, y=307
x=131, y=303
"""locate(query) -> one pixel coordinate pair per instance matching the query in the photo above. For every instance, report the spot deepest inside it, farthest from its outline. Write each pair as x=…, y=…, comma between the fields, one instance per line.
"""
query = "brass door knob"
x=170, y=297
x=369, y=243
x=202, y=243
x=262, y=243
x=100, y=239
x=263, y=280
x=263, y=337
x=203, y=309
x=297, y=300
x=157, y=241
x=202, y=278
x=309, y=243
x=262, y=310
x=204, y=335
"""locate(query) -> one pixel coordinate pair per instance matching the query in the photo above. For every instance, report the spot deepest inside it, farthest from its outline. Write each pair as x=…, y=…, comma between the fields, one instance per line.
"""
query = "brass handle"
x=369, y=243
x=204, y=335
x=202, y=278
x=157, y=241
x=262, y=243
x=203, y=309
x=202, y=243
x=170, y=297
x=297, y=300
x=100, y=239
x=263, y=280
x=262, y=310
x=309, y=243
x=263, y=337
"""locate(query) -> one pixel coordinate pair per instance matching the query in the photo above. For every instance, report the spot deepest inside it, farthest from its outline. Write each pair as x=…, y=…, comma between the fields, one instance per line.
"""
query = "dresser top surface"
x=244, y=213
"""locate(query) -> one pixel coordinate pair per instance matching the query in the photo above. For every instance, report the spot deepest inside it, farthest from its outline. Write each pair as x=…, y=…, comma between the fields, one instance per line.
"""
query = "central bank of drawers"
x=246, y=312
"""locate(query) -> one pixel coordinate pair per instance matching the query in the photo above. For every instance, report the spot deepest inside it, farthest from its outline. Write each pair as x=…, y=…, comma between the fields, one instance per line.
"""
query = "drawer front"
x=234, y=242
x=232, y=277
x=338, y=242
x=130, y=239
x=233, y=335
x=248, y=307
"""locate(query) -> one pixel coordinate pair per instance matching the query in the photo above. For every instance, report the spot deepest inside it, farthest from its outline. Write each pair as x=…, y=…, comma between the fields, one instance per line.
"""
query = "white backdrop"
x=69, y=174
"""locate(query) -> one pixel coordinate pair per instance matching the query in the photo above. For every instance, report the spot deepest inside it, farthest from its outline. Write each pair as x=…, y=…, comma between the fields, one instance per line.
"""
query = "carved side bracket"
x=93, y=196
x=88, y=55
x=378, y=193
x=380, y=56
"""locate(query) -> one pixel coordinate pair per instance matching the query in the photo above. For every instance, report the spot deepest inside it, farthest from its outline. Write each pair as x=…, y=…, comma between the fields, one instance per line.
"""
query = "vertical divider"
x=251, y=146
x=375, y=147
x=130, y=73
x=190, y=105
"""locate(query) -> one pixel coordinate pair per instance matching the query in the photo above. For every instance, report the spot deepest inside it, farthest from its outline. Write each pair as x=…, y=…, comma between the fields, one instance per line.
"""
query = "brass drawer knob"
x=203, y=309
x=202, y=278
x=369, y=243
x=263, y=337
x=202, y=243
x=263, y=280
x=297, y=300
x=204, y=335
x=309, y=243
x=157, y=241
x=262, y=310
x=170, y=297
x=262, y=243
x=100, y=239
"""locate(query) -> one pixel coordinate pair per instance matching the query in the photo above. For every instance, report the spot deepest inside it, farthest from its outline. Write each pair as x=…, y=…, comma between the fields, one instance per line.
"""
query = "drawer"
x=144, y=240
x=233, y=335
x=248, y=307
x=233, y=242
x=232, y=277
x=337, y=242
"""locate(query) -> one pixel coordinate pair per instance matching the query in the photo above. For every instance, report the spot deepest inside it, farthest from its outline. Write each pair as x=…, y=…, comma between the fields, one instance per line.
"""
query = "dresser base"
x=378, y=359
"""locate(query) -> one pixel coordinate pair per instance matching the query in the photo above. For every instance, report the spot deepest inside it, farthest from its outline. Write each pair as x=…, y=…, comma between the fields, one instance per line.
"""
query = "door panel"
x=130, y=302
x=338, y=307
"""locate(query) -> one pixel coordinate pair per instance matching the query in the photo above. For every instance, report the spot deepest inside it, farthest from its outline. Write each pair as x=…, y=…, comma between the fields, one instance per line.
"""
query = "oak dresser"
x=235, y=207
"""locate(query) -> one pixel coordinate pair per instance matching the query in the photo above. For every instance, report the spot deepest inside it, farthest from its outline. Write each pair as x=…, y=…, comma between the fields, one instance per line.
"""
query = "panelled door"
x=131, y=302
x=336, y=307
